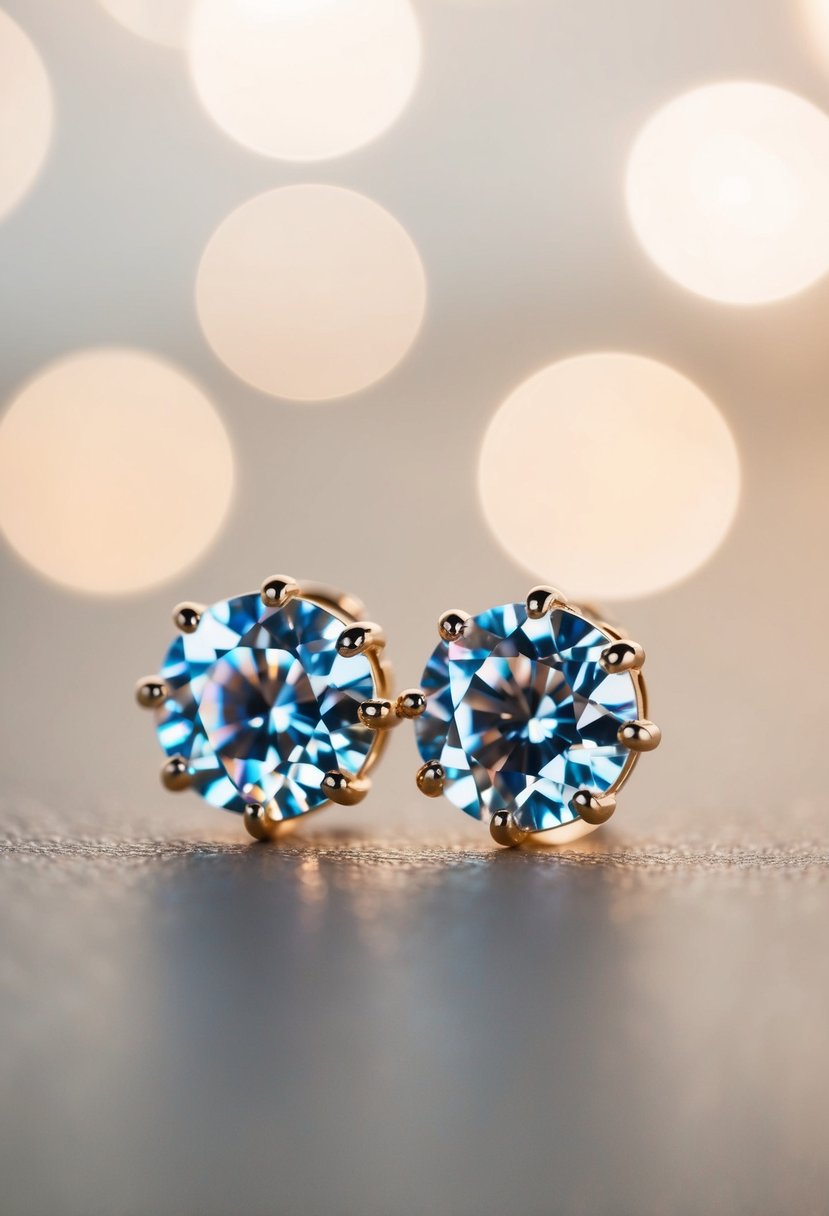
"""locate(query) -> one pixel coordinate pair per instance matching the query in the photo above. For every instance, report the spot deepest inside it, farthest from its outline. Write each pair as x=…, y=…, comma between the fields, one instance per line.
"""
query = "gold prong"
x=360, y=637
x=344, y=789
x=623, y=655
x=256, y=821
x=377, y=714
x=276, y=591
x=639, y=736
x=451, y=624
x=430, y=779
x=411, y=703
x=175, y=775
x=593, y=808
x=150, y=692
x=186, y=617
x=505, y=831
x=542, y=599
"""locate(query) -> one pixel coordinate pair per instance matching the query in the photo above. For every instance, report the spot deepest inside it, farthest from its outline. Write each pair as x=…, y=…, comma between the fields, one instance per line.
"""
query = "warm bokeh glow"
x=310, y=292
x=728, y=191
x=304, y=79
x=163, y=21
x=115, y=471
x=609, y=475
x=25, y=114
x=816, y=15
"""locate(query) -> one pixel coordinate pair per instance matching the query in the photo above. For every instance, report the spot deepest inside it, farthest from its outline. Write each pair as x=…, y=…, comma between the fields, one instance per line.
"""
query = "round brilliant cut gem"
x=521, y=715
x=260, y=704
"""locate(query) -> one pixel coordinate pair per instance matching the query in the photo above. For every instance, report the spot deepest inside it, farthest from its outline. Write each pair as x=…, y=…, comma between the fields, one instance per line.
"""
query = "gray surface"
x=335, y=1027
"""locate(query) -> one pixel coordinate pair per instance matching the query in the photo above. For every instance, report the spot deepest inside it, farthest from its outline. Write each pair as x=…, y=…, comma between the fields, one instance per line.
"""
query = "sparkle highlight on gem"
x=261, y=705
x=520, y=715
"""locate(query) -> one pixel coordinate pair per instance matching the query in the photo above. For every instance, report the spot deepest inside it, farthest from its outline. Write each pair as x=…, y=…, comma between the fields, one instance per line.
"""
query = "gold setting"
x=451, y=624
x=175, y=775
x=359, y=636
x=150, y=692
x=593, y=807
x=186, y=617
x=430, y=779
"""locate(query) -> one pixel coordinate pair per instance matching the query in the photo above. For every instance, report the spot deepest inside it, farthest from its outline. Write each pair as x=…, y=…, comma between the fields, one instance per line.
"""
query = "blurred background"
x=274, y=282
x=266, y=292
x=430, y=301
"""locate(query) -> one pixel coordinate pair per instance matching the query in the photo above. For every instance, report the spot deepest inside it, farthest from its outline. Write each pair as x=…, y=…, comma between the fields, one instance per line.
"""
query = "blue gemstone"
x=521, y=715
x=261, y=704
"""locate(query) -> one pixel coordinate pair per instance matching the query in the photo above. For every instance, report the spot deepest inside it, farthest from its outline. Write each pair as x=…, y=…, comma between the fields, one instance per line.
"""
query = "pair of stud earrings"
x=530, y=716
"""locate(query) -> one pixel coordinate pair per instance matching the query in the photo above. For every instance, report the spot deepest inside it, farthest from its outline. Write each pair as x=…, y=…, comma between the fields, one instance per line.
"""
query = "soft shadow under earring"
x=261, y=701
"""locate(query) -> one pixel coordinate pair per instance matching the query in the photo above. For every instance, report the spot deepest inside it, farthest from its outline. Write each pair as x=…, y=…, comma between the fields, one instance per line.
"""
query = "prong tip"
x=505, y=831
x=593, y=808
x=175, y=775
x=186, y=617
x=411, y=703
x=639, y=736
x=344, y=790
x=622, y=655
x=377, y=714
x=150, y=692
x=542, y=599
x=277, y=590
x=256, y=821
x=430, y=779
x=357, y=638
x=452, y=624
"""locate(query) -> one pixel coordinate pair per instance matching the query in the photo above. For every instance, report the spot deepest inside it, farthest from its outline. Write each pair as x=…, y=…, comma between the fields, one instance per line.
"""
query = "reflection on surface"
x=202, y=1027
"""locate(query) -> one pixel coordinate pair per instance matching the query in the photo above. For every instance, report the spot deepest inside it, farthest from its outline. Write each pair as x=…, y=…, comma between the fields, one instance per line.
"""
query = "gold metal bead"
x=256, y=821
x=344, y=789
x=639, y=736
x=276, y=591
x=452, y=624
x=430, y=779
x=186, y=617
x=150, y=692
x=358, y=638
x=623, y=655
x=542, y=599
x=175, y=775
x=377, y=714
x=505, y=831
x=411, y=703
x=593, y=808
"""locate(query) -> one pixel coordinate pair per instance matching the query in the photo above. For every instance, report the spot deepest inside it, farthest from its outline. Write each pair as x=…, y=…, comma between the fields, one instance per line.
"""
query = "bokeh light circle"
x=115, y=471
x=728, y=191
x=162, y=21
x=304, y=79
x=610, y=475
x=310, y=292
x=816, y=22
x=25, y=114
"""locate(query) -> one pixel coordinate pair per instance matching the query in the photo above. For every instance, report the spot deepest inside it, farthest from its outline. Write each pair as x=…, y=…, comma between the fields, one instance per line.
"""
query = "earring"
x=259, y=701
x=533, y=716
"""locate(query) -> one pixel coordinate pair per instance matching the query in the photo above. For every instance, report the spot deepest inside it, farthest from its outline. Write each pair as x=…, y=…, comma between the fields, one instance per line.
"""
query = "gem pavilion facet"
x=261, y=706
x=521, y=715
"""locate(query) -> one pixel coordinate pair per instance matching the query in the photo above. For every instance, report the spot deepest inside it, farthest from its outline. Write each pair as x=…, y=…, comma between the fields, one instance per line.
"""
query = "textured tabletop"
x=352, y=1024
